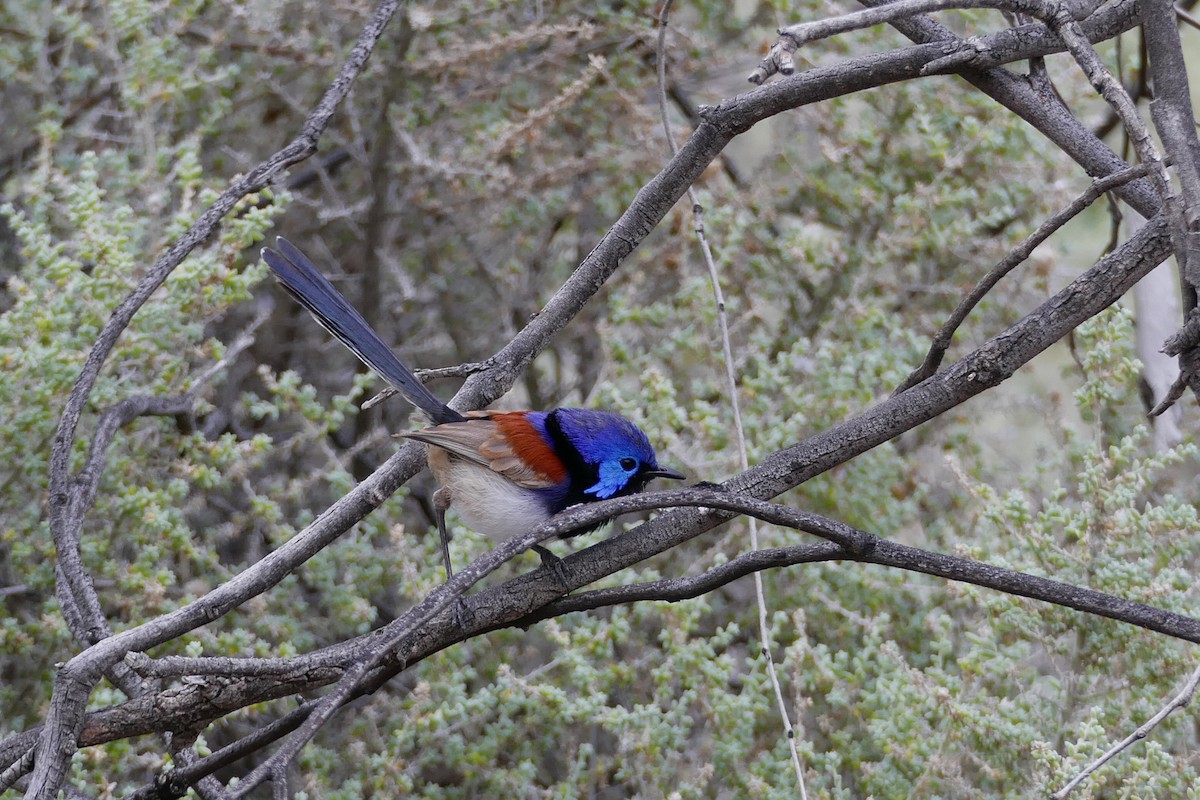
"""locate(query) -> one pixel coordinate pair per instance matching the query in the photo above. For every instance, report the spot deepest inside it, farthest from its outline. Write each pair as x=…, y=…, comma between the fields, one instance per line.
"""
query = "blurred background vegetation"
x=484, y=151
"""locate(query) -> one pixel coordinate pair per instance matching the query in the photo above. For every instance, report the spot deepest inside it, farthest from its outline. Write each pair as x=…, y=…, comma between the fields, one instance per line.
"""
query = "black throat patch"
x=581, y=474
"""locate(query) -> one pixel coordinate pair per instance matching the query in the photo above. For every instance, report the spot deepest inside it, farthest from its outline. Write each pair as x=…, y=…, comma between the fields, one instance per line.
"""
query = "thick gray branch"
x=842, y=542
x=942, y=339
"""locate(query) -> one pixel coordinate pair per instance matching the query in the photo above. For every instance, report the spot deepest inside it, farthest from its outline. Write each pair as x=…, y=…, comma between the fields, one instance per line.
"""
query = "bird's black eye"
x=628, y=464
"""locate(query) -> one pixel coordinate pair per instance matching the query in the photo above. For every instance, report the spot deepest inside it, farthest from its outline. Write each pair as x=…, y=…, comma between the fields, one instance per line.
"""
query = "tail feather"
x=304, y=281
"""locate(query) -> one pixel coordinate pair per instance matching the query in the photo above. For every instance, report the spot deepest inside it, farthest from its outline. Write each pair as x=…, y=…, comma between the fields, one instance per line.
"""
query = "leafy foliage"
x=486, y=149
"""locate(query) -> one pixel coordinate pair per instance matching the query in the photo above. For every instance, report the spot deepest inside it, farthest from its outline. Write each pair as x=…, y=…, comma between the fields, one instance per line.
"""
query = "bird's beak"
x=651, y=474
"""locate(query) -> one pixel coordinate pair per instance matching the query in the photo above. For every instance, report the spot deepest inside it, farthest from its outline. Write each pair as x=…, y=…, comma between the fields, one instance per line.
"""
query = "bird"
x=503, y=472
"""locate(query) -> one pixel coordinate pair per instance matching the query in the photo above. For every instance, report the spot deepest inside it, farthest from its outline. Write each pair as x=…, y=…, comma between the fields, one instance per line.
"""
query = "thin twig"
x=675, y=589
x=1178, y=387
x=112, y=420
x=845, y=543
x=945, y=335
x=1179, y=701
x=1056, y=16
x=244, y=340
x=1188, y=18
x=175, y=782
x=731, y=386
x=427, y=375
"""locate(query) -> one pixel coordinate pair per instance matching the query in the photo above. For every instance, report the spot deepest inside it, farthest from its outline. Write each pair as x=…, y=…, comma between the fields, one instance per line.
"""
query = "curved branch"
x=648, y=208
x=945, y=335
x=175, y=782
x=1043, y=110
x=720, y=124
x=82, y=609
x=1055, y=15
x=64, y=718
x=1180, y=700
x=1175, y=121
x=886, y=552
x=843, y=543
x=676, y=589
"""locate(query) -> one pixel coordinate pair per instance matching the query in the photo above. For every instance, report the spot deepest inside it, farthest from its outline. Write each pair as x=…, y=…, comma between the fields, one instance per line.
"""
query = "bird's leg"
x=551, y=561
x=441, y=502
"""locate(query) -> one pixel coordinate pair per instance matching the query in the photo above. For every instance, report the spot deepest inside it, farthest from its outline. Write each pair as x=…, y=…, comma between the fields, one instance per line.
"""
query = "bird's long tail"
x=303, y=281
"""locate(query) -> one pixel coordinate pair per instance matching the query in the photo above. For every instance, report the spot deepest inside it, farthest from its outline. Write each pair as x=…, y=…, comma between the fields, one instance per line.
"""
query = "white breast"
x=485, y=501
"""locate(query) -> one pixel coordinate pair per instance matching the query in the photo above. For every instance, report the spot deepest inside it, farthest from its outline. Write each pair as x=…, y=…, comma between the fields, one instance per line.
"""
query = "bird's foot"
x=461, y=614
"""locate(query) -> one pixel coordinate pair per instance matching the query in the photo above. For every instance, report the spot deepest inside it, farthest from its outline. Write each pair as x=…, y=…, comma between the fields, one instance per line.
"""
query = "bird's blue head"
x=612, y=450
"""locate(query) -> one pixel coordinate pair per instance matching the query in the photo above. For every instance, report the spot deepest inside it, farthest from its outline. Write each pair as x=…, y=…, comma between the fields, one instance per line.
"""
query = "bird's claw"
x=460, y=614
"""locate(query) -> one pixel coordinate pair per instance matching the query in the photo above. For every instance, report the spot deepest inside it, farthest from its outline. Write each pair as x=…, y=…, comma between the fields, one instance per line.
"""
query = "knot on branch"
x=778, y=59
x=1191, y=269
x=1186, y=345
x=959, y=56
x=861, y=544
x=1187, y=338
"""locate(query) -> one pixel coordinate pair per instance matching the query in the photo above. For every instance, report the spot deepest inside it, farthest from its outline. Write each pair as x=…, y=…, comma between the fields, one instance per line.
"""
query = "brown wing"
x=479, y=440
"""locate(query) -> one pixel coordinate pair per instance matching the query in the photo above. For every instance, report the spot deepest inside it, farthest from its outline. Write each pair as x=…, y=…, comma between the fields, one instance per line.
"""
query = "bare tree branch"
x=842, y=542
x=1188, y=18
x=1043, y=110
x=1186, y=345
x=16, y=770
x=1100, y=286
x=175, y=782
x=1137, y=92
x=945, y=335
x=427, y=375
x=731, y=399
x=1056, y=16
x=959, y=55
x=1171, y=110
x=62, y=723
x=1180, y=700
x=1172, y=113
